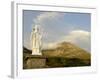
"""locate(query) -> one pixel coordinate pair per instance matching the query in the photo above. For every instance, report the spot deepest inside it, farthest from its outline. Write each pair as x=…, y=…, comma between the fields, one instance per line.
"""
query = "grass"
x=65, y=55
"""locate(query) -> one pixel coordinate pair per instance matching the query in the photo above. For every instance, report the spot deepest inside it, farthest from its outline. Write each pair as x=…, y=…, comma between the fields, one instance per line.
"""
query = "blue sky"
x=57, y=27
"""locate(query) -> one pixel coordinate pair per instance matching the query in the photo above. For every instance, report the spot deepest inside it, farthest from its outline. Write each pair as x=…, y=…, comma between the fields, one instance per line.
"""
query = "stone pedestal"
x=35, y=61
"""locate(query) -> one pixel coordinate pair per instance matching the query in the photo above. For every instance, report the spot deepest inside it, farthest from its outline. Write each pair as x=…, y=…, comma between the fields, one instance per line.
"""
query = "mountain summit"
x=68, y=50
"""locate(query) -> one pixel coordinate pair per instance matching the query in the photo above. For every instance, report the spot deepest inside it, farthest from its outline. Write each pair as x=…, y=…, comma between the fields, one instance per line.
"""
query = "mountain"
x=67, y=55
x=68, y=50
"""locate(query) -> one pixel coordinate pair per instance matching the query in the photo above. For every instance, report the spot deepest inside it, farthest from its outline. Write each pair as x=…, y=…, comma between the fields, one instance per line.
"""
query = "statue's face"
x=35, y=29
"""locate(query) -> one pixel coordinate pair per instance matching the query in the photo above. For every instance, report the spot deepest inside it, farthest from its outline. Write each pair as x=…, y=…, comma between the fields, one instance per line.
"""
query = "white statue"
x=36, y=41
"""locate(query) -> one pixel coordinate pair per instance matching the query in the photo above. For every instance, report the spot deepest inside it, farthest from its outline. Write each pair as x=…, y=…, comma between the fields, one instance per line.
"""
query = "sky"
x=58, y=27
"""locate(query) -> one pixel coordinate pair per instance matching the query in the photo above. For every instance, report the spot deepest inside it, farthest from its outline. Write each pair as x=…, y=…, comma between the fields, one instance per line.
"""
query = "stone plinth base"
x=35, y=61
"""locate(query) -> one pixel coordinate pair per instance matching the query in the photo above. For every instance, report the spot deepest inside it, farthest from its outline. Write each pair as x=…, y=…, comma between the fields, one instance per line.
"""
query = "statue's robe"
x=36, y=43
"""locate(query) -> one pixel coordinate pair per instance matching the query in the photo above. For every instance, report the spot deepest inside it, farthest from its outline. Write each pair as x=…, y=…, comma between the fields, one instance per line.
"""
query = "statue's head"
x=36, y=28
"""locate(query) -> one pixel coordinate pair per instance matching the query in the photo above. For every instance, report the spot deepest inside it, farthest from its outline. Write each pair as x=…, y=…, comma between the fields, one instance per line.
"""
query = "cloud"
x=50, y=45
x=42, y=18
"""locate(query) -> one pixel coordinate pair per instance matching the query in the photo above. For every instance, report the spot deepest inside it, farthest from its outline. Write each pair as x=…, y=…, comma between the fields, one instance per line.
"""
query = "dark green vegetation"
x=65, y=55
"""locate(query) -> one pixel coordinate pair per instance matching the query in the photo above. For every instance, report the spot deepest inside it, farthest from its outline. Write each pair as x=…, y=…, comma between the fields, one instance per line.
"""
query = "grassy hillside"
x=64, y=55
x=67, y=50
